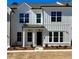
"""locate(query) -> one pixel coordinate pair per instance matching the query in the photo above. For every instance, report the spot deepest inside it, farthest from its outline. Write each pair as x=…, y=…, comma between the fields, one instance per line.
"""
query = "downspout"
x=10, y=28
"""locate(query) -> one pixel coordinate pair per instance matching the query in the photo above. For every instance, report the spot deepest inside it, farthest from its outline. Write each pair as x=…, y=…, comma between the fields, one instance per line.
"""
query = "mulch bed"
x=57, y=47
x=20, y=48
x=45, y=48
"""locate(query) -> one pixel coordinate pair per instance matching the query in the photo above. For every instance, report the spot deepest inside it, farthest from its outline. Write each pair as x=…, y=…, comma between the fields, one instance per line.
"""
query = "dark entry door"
x=39, y=38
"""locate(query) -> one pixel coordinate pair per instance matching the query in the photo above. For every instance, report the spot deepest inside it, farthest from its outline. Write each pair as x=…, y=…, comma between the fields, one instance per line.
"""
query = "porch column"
x=33, y=38
x=23, y=38
x=8, y=41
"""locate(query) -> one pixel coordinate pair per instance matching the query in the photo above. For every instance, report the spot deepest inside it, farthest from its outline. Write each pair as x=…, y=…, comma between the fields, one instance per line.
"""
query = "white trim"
x=33, y=37
x=23, y=38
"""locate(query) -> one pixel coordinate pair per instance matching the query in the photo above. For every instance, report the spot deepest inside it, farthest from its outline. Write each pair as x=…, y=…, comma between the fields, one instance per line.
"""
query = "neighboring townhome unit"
x=41, y=25
x=8, y=27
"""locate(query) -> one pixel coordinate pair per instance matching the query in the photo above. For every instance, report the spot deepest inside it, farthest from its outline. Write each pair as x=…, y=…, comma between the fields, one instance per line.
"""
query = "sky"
x=35, y=1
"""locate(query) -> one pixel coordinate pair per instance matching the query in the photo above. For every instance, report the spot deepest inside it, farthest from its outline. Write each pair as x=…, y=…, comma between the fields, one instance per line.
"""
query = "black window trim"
x=56, y=18
x=56, y=37
x=50, y=36
x=19, y=36
x=29, y=38
x=38, y=19
x=61, y=37
x=24, y=18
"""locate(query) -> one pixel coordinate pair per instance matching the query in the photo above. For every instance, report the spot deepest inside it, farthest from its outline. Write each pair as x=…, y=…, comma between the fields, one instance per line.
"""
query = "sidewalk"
x=39, y=50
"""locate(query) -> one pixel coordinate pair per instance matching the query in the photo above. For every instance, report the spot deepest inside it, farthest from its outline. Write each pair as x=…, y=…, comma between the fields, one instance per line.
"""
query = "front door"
x=39, y=38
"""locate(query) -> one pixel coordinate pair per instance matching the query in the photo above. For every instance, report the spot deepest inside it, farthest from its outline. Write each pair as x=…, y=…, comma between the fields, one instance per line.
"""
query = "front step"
x=39, y=48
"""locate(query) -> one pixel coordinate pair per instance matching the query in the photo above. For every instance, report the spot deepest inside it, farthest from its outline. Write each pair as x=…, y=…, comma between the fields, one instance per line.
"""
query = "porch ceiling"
x=32, y=26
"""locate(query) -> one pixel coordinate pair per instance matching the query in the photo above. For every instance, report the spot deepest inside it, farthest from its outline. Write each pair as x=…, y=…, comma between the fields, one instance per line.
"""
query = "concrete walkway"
x=39, y=50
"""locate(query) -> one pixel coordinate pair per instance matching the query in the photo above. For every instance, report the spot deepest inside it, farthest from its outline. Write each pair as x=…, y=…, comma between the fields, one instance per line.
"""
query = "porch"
x=32, y=35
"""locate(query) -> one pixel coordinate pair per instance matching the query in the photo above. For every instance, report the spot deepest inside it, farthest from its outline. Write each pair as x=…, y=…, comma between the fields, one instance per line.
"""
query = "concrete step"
x=39, y=48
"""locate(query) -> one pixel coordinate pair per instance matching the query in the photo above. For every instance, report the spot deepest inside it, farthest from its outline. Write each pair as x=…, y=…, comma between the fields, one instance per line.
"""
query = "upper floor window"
x=21, y=16
x=38, y=18
x=19, y=36
x=59, y=16
x=53, y=16
x=24, y=18
x=56, y=16
x=50, y=36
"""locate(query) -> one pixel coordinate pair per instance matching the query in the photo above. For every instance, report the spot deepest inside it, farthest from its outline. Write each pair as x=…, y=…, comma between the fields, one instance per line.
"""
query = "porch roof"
x=32, y=26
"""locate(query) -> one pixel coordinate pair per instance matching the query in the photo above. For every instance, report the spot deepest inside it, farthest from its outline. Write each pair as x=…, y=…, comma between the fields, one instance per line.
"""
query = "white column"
x=23, y=38
x=58, y=36
x=33, y=37
x=8, y=41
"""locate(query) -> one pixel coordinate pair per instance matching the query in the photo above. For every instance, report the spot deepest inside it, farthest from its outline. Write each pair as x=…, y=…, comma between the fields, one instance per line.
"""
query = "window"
x=61, y=36
x=53, y=13
x=53, y=19
x=38, y=18
x=58, y=19
x=19, y=36
x=53, y=16
x=56, y=16
x=50, y=36
x=29, y=35
x=21, y=18
x=55, y=36
x=26, y=18
x=58, y=13
x=59, y=16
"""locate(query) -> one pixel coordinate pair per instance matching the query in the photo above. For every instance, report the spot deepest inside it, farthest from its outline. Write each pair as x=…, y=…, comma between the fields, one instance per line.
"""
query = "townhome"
x=40, y=25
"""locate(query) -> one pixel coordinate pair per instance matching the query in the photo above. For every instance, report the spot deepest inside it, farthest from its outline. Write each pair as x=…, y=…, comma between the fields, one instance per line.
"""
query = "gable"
x=24, y=7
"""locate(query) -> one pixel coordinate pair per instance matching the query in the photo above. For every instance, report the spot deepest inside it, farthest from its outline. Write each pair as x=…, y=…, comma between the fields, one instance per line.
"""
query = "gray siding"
x=8, y=30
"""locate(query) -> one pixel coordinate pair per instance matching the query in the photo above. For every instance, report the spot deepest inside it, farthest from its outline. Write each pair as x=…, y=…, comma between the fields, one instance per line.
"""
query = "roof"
x=32, y=26
x=39, y=5
x=8, y=10
x=48, y=5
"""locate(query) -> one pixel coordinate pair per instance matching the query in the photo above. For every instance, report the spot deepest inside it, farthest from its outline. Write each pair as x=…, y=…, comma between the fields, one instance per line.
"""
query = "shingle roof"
x=39, y=5
x=48, y=5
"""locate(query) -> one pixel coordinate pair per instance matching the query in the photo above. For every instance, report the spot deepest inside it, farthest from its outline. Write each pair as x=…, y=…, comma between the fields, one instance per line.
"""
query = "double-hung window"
x=59, y=16
x=58, y=36
x=61, y=36
x=56, y=16
x=55, y=36
x=24, y=18
x=29, y=36
x=19, y=36
x=21, y=16
x=50, y=36
x=53, y=16
x=38, y=18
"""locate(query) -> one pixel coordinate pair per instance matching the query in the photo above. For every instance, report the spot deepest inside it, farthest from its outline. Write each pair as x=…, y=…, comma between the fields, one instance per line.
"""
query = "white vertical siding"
x=64, y=25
